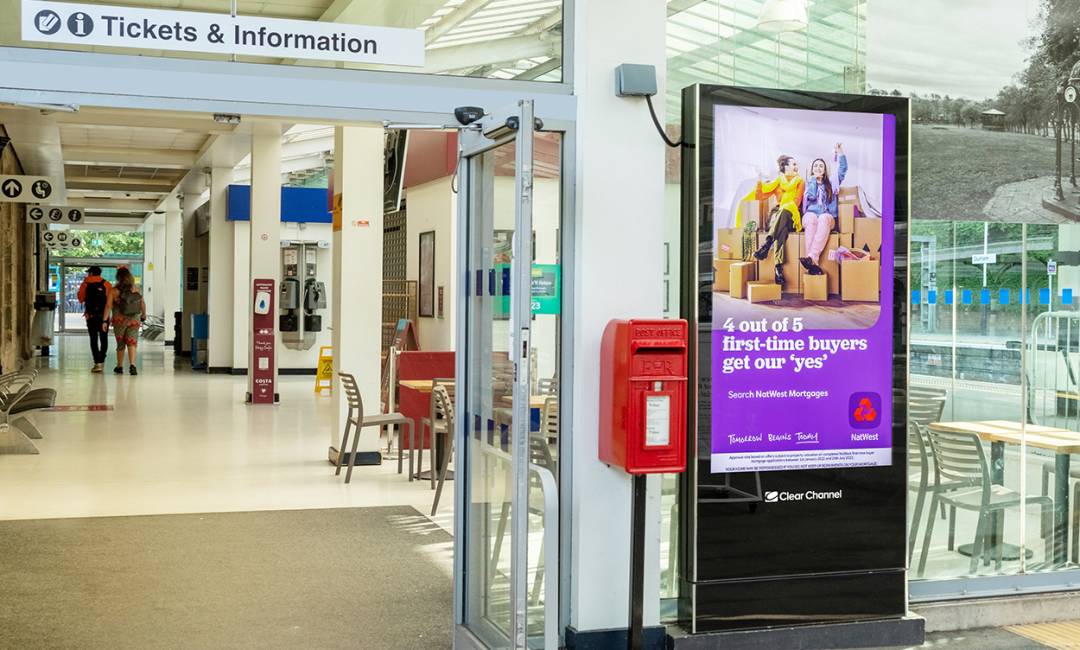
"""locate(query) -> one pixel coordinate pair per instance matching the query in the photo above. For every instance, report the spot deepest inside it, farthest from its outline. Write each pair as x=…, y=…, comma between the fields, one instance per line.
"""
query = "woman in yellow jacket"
x=788, y=187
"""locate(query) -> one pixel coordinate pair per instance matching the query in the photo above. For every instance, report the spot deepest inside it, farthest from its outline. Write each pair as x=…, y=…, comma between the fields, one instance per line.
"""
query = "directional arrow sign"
x=27, y=189
x=55, y=214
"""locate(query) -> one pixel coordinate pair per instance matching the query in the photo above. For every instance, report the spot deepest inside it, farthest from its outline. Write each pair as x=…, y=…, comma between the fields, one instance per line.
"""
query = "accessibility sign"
x=26, y=189
x=55, y=214
x=191, y=31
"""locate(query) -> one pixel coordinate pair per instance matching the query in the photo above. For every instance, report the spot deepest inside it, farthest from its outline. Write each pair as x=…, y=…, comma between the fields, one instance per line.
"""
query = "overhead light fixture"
x=783, y=16
x=46, y=108
x=226, y=118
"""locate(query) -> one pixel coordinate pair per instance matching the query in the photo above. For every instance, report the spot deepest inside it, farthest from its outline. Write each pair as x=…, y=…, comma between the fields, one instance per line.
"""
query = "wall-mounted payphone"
x=302, y=294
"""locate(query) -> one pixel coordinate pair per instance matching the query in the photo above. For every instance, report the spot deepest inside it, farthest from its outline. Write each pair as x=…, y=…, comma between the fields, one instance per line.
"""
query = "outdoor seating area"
x=992, y=491
x=19, y=398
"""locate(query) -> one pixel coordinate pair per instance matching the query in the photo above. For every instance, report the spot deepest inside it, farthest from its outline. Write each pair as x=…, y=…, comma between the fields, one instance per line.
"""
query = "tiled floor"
x=182, y=442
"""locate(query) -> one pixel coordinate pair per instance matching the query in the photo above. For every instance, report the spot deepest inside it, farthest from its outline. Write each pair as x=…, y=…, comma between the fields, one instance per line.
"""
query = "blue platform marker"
x=916, y=297
x=984, y=297
x=965, y=296
x=1025, y=296
x=948, y=296
x=1003, y=296
x=931, y=297
x=1066, y=296
x=1044, y=296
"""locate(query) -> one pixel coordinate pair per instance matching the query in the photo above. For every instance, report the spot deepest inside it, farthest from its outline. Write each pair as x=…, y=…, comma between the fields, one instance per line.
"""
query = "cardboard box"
x=846, y=220
x=815, y=287
x=860, y=280
x=722, y=274
x=848, y=194
x=830, y=266
x=751, y=211
x=740, y=274
x=762, y=292
x=867, y=235
x=729, y=243
x=792, y=268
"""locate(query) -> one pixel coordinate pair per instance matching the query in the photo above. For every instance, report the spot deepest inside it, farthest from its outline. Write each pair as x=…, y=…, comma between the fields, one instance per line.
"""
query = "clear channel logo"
x=783, y=496
x=48, y=22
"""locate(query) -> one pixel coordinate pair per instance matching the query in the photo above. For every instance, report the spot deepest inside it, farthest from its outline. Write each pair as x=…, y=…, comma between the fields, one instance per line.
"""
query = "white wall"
x=433, y=206
x=157, y=274
x=619, y=190
x=241, y=310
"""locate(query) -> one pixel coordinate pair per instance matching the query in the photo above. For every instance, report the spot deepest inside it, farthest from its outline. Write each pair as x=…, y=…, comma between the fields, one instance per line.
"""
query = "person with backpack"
x=128, y=311
x=94, y=294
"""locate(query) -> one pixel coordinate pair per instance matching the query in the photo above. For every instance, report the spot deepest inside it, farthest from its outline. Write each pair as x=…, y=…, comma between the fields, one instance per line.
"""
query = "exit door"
x=508, y=397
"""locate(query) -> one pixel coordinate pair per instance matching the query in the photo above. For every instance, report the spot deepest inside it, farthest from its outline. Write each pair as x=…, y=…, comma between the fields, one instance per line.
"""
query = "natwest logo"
x=778, y=496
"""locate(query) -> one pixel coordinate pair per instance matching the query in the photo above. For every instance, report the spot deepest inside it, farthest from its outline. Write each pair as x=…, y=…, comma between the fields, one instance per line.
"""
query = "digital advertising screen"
x=802, y=352
x=794, y=280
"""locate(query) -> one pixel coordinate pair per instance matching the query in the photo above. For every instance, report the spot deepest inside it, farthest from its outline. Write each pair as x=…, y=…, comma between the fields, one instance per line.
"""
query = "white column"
x=220, y=345
x=173, y=253
x=157, y=274
x=356, y=295
x=241, y=318
x=264, y=237
x=148, y=285
x=191, y=259
x=618, y=274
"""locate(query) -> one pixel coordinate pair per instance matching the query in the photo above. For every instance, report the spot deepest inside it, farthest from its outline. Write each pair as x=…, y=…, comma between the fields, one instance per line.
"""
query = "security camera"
x=466, y=115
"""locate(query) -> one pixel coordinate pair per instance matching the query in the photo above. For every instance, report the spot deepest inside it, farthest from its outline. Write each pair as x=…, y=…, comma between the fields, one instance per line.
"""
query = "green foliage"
x=106, y=244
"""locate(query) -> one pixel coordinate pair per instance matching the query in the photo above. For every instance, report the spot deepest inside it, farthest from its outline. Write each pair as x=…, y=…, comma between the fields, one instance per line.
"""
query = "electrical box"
x=643, y=377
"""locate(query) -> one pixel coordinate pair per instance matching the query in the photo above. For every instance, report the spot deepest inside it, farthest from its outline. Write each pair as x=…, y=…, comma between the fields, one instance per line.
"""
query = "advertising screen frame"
x=736, y=550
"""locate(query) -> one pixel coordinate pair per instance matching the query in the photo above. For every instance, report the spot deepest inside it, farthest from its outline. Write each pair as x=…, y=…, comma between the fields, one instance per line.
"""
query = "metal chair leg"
x=952, y=529
x=980, y=537
x=434, y=461
x=352, y=455
x=442, y=475
x=915, y=519
x=400, y=452
x=929, y=533
x=1075, y=525
x=341, y=448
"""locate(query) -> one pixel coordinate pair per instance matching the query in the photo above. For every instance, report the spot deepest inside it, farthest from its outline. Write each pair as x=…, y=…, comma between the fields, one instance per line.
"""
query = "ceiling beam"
x=540, y=70
x=95, y=204
x=679, y=6
x=159, y=158
x=501, y=50
x=460, y=14
x=131, y=119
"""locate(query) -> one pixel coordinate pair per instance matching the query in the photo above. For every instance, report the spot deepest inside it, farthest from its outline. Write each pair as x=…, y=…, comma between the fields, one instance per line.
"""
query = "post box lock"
x=643, y=383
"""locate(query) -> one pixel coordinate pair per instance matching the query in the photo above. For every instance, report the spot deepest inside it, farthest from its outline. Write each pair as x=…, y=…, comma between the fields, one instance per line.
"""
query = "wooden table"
x=422, y=385
x=1060, y=441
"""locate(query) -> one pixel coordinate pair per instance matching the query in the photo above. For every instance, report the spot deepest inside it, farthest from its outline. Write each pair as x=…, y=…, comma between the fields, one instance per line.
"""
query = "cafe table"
x=1061, y=442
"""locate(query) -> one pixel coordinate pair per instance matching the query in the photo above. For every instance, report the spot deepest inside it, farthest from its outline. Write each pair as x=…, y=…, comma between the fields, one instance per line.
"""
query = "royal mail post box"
x=643, y=395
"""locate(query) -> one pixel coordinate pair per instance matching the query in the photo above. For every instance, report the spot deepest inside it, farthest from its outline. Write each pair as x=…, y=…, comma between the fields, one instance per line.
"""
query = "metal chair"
x=437, y=422
x=357, y=420
x=962, y=462
x=442, y=406
x=549, y=419
x=18, y=397
x=924, y=407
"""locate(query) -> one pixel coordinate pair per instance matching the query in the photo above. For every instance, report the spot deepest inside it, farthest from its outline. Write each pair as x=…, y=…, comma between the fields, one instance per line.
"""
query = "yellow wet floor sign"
x=324, y=373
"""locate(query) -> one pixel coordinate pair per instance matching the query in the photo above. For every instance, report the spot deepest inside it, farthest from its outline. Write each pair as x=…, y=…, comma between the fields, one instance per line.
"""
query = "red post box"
x=643, y=370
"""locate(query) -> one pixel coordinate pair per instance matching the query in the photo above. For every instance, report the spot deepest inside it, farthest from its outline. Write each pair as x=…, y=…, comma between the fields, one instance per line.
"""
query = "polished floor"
x=178, y=441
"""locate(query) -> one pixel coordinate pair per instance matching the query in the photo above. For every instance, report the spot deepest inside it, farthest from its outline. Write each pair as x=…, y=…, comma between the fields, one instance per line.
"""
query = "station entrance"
x=174, y=476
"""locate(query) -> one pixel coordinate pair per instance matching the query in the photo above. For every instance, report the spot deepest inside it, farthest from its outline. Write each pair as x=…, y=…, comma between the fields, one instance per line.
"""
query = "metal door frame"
x=513, y=125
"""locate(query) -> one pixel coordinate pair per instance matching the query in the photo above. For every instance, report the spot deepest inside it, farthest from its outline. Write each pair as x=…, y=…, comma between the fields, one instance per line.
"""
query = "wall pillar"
x=192, y=262
x=220, y=345
x=356, y=295
x=618, y=274
x=173, y=274
x=264, y=236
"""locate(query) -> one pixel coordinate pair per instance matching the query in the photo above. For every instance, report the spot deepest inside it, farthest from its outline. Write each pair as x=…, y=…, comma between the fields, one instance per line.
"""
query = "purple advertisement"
x=802, y=289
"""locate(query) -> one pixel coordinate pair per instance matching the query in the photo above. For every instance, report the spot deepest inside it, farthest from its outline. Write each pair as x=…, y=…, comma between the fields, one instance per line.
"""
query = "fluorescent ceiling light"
x=783, y=16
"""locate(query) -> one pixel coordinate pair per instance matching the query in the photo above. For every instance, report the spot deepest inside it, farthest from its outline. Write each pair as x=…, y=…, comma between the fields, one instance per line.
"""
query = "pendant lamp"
x=782, y=16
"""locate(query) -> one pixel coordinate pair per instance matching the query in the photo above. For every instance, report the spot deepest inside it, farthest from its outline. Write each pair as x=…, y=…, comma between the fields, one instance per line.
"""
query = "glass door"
x=506, y=565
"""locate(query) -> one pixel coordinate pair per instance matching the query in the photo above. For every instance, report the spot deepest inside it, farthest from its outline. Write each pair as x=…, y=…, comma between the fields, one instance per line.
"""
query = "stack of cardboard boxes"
x=736, y=272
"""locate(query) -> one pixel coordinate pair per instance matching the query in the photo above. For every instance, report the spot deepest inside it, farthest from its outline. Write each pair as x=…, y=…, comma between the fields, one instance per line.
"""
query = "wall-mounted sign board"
x=27, y=189
x=218, y=33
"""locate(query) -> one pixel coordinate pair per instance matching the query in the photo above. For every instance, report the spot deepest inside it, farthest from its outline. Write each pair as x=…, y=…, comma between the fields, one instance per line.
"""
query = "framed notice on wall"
x=427, y=274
